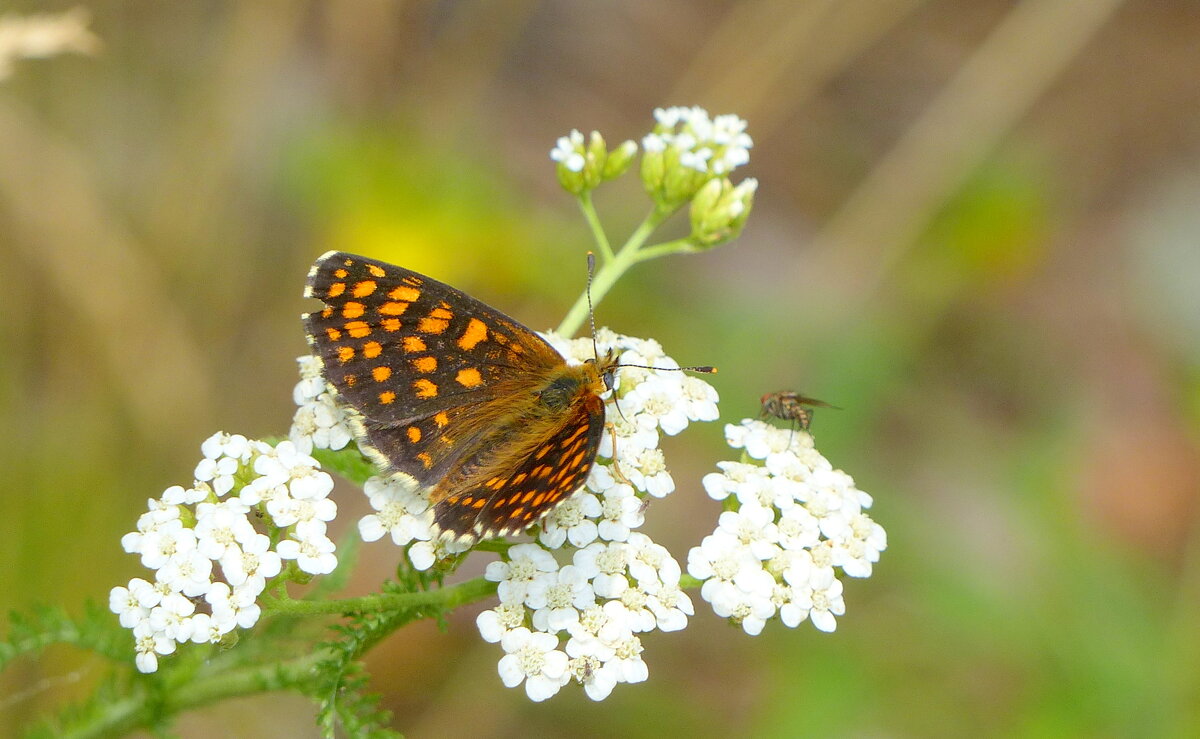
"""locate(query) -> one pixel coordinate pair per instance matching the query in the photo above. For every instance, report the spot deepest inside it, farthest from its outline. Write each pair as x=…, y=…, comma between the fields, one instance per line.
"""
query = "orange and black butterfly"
x=788, y=405
x=473, y=405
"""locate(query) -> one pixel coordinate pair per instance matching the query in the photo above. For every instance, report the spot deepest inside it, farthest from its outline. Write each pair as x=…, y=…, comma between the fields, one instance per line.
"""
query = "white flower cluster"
x=320, y=421
x=187, y=532
x=714, y=146
x=794, y=522
x=582, y=620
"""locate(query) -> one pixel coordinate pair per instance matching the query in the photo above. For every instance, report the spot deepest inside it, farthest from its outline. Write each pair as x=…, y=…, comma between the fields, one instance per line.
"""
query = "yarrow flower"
x=792, y=522
x=210, y=560
x=687, y=149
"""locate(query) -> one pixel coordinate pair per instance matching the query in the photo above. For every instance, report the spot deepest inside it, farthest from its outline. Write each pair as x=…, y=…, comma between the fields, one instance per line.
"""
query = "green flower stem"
x=687, y=582
x=136, y=711
x=589, y=212
x=444, y=598
x=666, y=248
x=611, y=270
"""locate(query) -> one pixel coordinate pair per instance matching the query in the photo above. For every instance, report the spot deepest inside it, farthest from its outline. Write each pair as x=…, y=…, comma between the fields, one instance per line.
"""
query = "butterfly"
x=789, y=405
x=441, y=387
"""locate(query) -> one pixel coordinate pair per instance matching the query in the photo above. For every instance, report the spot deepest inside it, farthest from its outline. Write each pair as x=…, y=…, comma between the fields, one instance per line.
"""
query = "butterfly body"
x=474, y=406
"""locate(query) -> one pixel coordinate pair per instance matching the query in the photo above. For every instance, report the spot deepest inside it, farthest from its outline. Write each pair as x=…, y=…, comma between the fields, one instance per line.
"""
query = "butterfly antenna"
x=704, y=370
x=592, y=313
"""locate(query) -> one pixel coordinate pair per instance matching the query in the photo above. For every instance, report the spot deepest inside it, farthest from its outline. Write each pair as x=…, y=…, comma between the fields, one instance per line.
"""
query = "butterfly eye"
x=610, y=377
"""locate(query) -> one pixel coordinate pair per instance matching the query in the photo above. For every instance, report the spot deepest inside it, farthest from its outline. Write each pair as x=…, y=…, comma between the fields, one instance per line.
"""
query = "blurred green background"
x=976, y=231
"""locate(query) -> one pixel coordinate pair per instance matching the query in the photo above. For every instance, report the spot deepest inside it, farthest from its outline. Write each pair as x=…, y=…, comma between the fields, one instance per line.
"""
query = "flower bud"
x=719, y=210
x=619, y=160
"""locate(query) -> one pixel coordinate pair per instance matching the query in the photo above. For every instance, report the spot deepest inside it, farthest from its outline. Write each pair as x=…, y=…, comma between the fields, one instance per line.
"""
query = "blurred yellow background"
x=977, y=231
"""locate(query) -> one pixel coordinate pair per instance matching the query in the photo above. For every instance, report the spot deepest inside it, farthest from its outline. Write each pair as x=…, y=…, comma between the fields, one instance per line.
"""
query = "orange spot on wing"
x=341, y=273
x=413, y=344
x=469, y=377
x=327, y=312
x=350, y=380
x=381, y=374
x=479, y=503
x=442, y=313
x=376, y=271
x=387, y=397
x=425, y=364
x=541, y=498
x=475, y=333
x=345, y=353
x=528, y=496
x=425, y=388
x=372, y=349
x=333, y=334
x=358, y=329
x=393, y=308
x=352, y=309
x=414, y=434
x=390, y=324
x=425, y=459
x=432, y=325
x=441, y=419
x=405, y=293
x=364, y=288
x=336, y=289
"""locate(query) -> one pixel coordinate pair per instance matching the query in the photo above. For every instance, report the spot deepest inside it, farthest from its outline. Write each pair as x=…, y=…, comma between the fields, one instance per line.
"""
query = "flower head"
x=187, y=532
x=687, y=149
x=796, y=522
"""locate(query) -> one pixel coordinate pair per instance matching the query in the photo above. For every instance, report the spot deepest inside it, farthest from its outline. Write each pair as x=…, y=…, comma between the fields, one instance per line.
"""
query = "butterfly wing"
x=491, y=497
x=426, y=367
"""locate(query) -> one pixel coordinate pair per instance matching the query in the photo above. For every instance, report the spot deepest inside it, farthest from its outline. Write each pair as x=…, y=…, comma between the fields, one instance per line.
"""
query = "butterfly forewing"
x=453, y=392
x=398, y=345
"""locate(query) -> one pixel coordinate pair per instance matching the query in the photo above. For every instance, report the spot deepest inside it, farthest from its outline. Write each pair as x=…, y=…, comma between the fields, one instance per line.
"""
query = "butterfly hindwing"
x=490, y=503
